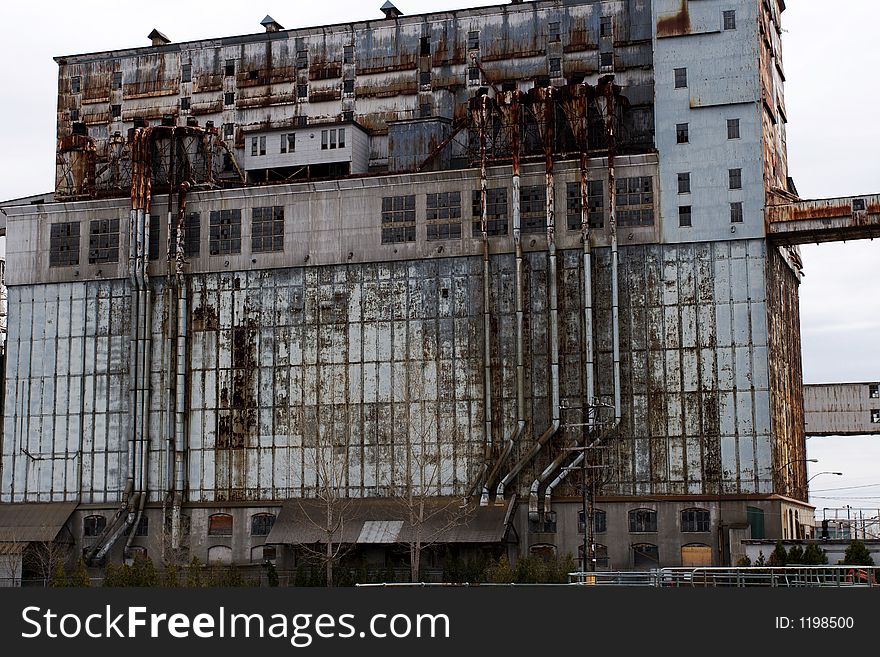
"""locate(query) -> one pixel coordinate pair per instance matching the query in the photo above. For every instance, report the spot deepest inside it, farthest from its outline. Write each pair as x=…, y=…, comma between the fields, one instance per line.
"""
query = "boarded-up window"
x=220, y=524
x=64, y=244
x=496, y=211
x=696, y=556
x=103, y=241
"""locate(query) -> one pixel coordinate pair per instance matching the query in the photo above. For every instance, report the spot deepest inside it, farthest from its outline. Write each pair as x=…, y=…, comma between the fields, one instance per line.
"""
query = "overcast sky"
x=833, y=142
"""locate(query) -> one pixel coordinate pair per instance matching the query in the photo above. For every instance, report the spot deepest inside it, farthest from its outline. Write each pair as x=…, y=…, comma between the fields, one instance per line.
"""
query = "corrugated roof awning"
x=26, y=523
x=375, y=521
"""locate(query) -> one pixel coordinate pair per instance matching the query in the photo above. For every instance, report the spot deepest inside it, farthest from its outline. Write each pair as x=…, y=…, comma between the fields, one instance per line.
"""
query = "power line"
x=826, y=490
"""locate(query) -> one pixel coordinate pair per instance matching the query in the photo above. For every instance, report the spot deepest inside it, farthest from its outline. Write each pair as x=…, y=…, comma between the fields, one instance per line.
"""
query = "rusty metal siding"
x=840, y=409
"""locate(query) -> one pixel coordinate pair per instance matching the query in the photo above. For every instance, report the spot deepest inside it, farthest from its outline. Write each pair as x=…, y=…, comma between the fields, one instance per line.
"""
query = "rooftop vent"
x=271, y=24
x=391, y=11
x=157, y=38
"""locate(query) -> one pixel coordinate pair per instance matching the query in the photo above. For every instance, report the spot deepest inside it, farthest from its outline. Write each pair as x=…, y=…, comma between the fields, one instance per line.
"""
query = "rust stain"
x=801, y=211
x=325, y=71
x=675, y=24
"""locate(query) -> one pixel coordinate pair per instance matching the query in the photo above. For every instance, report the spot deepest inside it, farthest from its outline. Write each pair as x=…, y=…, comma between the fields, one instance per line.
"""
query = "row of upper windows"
x=219, y=524
x=683, y=132
x=640, y=521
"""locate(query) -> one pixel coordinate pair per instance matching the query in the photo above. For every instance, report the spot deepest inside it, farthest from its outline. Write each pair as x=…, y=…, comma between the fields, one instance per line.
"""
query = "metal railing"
x=768, y=577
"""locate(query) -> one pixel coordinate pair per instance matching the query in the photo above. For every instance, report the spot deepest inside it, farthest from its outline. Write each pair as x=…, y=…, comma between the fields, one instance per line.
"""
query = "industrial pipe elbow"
x=484, y=497
x=533, y=496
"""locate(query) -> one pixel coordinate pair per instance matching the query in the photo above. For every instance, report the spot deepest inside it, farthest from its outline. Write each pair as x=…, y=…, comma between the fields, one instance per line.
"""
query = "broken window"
x=681, y=133
x=300, y=121
x=684, y=216
x=153, y=252
x=875, y=416
x=555, y=65
x=645, y=556
x=228, y=130
x=186, y=72
x=220, y=524
x=192, y=235
x=398, y=219
x=643, y=520
x=75, y=84
x=142, y=529
x=225, y=232
x=874, y=391
x=230, y=67
x=599, y=522
x=695, y=520
x=733, y=128
x=474, y=75
x=684, y=183
x=595, y=204
x=267, y=229
x=348, y=116
x=64, y=244
x=261, y=524
x=424, y=78
x=185, y=104
x=348, y=85
x=103, y=241
x=553, y=32
x=115, y=111
x=348, y=55
x=302, y=91
x=116, y=80
x=473, y=40
x=496, y=212
x=730, y=19
x=735, y=176
x=288, y=142
x=606, y=60
x=606, y=26
x=533, y=209
x=736, y=212
x=424, y=110
x=74, y=115
x=443, y=215
x=229, y=98
x=681, y=78
x=254, y=146
x=425, y=46
x=635, y=201
x=94, y=525
x=253, y=74
x=302, y=58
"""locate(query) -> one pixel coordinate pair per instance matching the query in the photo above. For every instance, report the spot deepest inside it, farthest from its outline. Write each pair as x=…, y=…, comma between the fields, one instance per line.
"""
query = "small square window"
x=553, y=34
x=116, y=81
x=115, y=111
x=684, y=216
x=230, y=67
x=229, y=98
x=474, y=74
x=185, y=103
x=348, y=85
x=606, y=27
x=681, y=133
x=733, y=128
x=75, y=85
x=736, y=212
x=348, y=115
x=348, y=55
x=302, y=59
x=874, y=391
x=425, y=78
x=730, y=20
x=253, y=74
x=300, y=121
x=684, y=183
x=735, y=176
x=302, y=91
x=555, y=65
x=228, y=130
x=681, y=78
x=186, y=72
x=875, y=416
x=606, y=60
x=473, y=40
x=74, y=115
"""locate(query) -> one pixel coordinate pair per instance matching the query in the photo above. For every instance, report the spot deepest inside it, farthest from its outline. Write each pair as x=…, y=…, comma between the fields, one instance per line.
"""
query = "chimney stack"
x=271, y=24
x=157, y=38
x=391, y=11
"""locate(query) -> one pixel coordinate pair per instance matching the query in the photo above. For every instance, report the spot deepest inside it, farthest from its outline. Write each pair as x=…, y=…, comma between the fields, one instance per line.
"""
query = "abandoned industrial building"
x=445, y=275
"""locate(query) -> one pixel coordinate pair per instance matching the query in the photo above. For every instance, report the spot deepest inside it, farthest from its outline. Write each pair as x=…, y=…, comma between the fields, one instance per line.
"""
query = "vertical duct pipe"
x=589, y=347
x=510, y=107
x=610, y=117
x=180, y=397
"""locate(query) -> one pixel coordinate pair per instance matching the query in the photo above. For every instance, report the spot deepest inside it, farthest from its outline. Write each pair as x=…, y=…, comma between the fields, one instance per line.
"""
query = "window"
x=684, y=216
x=874, y=391
x=347, y=115
x=288, y=142
x=300, y=121
x=225, y=232
x=425, y=46
x=473, y=40
x=74, y=115
x=635, y=201
x=736, y=212
x=192, y=235
x=143, y=527
x=254, y=146
x=553, y=33
x=733, y=128
x=681, y=133
x=735, y=176
x=155, y=221
x=253, y=74
x=875, y=416
x=267, y=229
x=261, y=524
x=116, y=80
x=228, y=130
x=302, y=58
x=755, y=519
x=348, y=85
x=606, y=60
x=229, y=98
x=643, y=520
x=269, y=553
x=684, y=183
x=94, y=525
x=645, y=556
x=230, y=67
x=595, y=204
x=398, y=219
x=601, y=555
x=348, y=55
x=341, y=137
x=220, y=524
x=474, y=74
x=443, y=215
x=730, y=19
x=185, y=103
x=302, y=91
x=64, y=244
x=263, y=145
x=115, y=111
x=533, y=209
x=695, y=520
x=555, y=65
x=186, y=72
x=75, y=84
x=605, y=26
x=424, y=110
x=681, y=78
x=332, y=139
x=549, y=522
x=600, y=524
x=103, y=241
x=496, y=211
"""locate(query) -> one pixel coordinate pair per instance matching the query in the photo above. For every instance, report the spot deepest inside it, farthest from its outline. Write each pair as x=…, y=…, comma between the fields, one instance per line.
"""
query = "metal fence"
x=770, y=577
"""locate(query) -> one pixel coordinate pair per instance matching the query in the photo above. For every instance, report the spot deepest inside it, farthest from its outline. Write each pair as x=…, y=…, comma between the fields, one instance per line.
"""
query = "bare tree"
x=46, y=558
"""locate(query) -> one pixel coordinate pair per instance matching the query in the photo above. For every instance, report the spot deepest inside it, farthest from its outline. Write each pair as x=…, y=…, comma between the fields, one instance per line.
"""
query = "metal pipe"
x=589, y=348
x=612, y=223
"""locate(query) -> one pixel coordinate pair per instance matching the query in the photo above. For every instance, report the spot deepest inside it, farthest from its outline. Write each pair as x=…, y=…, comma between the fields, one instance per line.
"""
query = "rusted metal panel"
x=841, y=409
x=804, y=222
x=677, y=23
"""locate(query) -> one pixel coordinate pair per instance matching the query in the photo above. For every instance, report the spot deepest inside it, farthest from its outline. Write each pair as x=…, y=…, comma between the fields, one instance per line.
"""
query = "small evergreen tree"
x=779, y=556
x=80, y=575
x=814, y=555
x=795, y=555
x=194, y=574
x=744, y=561
x=857, y=554
x=500, y=572
x=761, y=561
x=59, y=577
